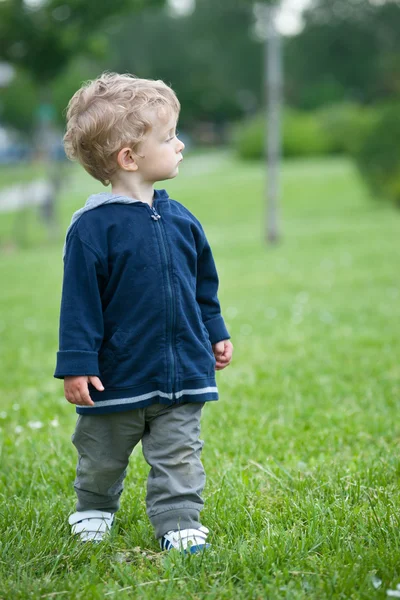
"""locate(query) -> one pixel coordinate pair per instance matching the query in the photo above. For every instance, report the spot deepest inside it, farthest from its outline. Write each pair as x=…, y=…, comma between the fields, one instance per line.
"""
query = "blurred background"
x=340, y=93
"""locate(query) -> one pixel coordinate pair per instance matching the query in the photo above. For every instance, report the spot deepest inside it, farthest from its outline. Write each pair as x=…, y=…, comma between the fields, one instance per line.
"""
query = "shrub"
x=378, y=155
x=344, y=125
x=248, y=138
x=302, y=135
x=335, y=129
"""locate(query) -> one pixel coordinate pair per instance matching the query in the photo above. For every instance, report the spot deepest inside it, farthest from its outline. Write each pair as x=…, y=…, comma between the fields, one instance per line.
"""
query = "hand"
x=223, y=354
x=76, y=389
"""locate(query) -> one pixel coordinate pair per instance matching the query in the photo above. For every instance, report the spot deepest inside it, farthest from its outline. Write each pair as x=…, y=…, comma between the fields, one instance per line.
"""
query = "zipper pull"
x=155, y=214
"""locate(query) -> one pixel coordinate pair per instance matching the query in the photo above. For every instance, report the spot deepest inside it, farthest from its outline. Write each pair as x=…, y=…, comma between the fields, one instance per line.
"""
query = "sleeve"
x=81, y=316
x=206, y=295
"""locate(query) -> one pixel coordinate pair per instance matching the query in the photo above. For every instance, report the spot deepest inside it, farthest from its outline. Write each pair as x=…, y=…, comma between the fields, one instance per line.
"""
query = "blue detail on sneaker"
x=187, y=541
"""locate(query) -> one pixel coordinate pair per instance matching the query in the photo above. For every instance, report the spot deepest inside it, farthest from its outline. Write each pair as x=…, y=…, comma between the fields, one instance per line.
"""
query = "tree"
x=209, y=57
x=41, y=37
x=348, y=50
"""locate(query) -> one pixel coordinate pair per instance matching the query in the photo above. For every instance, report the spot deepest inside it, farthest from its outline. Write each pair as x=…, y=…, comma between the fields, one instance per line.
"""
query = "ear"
x=126, y=160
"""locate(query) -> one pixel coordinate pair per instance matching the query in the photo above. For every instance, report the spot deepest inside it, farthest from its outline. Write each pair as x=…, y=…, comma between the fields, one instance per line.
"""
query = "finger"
x=72, y=395
x=228, y=353
x=70, y=399
x=86, y=399
x=84, y=396
x=225, y=358
x=220, y=366
x=228, y=349
x=95, y=381
x=79, y=398
x=219, y=348
x=223, y=361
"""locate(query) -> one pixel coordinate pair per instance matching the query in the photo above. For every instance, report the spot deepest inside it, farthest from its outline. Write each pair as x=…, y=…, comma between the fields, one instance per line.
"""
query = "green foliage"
x=344, y=125
x=64, y=86
x=378, y=157
x=209, y=57
x=347, y=53
x=301, y=452
x=43, y=37
x=348, y=50
x=248, y=138
x=303, y=135
x=19, y=102
x=335, y=129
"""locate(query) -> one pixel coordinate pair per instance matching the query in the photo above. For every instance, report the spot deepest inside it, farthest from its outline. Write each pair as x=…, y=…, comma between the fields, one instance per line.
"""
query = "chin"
x=173, y=174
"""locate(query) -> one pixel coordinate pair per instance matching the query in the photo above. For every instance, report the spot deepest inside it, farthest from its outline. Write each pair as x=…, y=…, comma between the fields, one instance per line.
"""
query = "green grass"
x=302, y=450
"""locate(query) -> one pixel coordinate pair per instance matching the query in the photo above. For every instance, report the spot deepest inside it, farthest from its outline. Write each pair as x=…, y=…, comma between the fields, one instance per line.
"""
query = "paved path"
x=35, y=193
x=17, y=196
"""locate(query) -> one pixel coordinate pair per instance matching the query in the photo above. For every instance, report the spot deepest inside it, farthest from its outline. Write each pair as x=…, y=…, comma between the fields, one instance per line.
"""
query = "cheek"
x=168, y=154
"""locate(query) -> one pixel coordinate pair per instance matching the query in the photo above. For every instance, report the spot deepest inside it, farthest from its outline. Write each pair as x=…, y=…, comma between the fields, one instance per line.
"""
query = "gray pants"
x=171, y=446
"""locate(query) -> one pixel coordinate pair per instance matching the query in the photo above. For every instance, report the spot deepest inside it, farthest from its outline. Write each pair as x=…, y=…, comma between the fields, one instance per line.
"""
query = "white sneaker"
x=185, y=540
x=91, y=525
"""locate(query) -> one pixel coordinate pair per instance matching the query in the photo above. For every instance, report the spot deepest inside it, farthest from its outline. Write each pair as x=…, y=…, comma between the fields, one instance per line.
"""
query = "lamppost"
x=273, y=90
x=266, y=13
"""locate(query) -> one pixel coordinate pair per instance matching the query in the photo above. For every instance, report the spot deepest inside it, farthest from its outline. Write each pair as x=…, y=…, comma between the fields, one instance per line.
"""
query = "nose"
x=181, y=146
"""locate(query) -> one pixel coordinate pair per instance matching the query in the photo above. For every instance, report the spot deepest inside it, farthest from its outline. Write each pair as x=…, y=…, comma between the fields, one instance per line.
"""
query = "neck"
x=143, y=191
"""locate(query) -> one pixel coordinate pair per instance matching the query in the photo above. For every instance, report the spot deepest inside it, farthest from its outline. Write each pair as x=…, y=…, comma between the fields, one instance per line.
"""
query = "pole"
x=273, y=85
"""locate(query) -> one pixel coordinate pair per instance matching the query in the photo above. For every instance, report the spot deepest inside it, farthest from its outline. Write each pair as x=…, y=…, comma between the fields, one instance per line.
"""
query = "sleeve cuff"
x=217, y=330
x=76, y=363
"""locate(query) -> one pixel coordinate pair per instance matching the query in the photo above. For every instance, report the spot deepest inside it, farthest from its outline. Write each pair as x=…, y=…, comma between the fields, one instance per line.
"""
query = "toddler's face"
x=160, y=153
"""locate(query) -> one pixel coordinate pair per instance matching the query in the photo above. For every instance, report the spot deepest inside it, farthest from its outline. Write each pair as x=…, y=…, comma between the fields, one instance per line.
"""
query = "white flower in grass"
x=3, y=415
x=120, y=557
x=18, y=429
x=16, y=407
x=54, y=422
x=376, y=582
x=35, y=424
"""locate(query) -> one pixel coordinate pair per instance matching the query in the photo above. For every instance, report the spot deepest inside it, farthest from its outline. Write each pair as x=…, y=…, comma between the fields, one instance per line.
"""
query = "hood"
x=96, y=200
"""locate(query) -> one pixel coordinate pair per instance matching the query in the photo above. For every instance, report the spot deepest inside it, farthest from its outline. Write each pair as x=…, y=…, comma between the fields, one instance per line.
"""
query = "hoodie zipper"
x=157, y=219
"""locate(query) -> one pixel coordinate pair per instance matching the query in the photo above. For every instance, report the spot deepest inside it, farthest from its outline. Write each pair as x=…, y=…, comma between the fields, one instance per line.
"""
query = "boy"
x=141, y=332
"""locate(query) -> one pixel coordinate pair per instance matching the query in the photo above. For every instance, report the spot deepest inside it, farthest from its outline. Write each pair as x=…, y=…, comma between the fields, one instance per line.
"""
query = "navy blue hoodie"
x=139, y=304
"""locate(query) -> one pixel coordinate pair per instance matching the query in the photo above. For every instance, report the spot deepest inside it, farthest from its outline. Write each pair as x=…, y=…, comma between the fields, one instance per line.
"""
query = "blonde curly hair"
x=111, y=112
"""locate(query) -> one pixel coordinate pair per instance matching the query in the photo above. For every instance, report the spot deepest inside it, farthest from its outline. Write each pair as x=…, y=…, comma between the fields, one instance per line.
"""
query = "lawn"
x=302, y=450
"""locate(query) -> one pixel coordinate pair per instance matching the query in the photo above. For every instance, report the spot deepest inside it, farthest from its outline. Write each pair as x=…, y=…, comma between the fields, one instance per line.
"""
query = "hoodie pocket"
x=207, y=339
x=114, y=348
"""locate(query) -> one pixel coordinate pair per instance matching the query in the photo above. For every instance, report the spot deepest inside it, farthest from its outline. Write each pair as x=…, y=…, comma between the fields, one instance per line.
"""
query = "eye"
x=173, y=137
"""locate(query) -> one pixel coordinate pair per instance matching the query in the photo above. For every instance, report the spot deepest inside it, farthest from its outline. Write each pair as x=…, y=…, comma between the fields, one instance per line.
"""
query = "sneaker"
x=185, y=540
x=91, y=525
